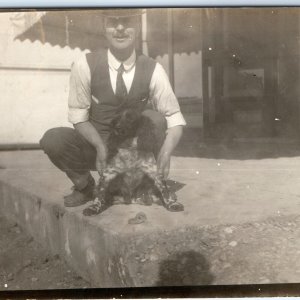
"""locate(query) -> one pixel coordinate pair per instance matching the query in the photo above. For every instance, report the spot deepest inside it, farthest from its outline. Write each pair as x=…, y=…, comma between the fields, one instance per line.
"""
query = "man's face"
x=121, y=32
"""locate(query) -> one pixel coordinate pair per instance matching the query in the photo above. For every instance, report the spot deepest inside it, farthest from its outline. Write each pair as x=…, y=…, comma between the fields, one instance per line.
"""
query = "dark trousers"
x=74, y=155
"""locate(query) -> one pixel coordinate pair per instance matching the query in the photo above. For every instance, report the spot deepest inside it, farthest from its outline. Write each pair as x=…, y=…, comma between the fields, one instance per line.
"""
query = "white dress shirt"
x=161, y=96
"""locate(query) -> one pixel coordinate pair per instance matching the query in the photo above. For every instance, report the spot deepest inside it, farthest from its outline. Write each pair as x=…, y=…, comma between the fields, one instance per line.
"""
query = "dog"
x=131, y=166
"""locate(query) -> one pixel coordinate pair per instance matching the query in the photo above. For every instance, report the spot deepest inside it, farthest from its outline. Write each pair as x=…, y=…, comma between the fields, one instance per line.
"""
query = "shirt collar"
x=115, y=64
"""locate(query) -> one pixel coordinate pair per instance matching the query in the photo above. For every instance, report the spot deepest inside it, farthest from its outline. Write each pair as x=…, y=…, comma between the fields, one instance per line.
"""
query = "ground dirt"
x=250, y=253
x=261, y=252
x=26, y=265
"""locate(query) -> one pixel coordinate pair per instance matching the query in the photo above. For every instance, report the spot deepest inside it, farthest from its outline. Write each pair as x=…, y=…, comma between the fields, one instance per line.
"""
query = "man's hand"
x=163, y=165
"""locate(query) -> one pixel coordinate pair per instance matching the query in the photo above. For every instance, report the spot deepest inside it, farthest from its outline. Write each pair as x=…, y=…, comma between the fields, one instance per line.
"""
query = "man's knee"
x=159, y=131
x=54, y=140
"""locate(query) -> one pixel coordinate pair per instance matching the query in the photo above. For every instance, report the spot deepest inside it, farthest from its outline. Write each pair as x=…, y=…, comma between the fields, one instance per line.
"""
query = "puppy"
x=131, y=163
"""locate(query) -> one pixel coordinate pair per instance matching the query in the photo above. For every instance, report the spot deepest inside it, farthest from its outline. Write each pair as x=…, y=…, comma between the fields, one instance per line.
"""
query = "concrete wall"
x=34, y=83
x=187, y=73
x=32, y=101
x=188, y=85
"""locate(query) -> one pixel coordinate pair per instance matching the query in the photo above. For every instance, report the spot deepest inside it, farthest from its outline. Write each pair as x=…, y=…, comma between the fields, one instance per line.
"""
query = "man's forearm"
x=89, y=132
x=172, y=139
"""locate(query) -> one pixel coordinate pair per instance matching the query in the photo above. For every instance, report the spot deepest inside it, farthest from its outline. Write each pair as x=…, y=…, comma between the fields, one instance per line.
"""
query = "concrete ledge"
x=93, y=252
x=229, y=206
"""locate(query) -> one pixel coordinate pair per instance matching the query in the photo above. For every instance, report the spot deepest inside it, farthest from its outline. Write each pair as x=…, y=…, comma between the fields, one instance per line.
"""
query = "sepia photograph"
x=149, y=147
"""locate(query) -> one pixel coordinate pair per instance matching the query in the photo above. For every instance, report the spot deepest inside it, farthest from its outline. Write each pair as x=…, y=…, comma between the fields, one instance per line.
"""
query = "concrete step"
x=226, y=203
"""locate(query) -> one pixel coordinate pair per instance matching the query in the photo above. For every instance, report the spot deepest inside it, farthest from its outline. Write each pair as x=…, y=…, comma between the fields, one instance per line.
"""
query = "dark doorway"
x=251, y=74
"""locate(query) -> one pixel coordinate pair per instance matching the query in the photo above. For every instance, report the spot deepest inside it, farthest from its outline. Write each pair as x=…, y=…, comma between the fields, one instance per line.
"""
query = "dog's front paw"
x=94, y=209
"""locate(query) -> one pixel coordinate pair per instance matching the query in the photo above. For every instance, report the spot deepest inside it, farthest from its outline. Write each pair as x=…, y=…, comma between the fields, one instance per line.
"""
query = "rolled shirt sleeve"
x=79, y=100
x=163, y=98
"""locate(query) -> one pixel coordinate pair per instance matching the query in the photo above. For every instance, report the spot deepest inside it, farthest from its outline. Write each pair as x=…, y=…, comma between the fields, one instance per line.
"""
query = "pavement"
x=240, y=200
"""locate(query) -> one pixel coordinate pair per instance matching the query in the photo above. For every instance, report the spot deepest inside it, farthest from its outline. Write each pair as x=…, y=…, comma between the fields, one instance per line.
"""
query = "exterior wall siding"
x=34, y=83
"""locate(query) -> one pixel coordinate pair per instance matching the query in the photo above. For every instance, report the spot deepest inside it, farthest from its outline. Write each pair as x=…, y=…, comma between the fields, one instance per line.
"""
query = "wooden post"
x=67, y=30
x=207, y=47
x=218, y=74
x=170, y=46
x=298, y=102
x=271, y=77
x=144, y=33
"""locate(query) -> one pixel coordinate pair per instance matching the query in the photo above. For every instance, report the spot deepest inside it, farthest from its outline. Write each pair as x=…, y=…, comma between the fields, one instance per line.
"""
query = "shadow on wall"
x=185, y=268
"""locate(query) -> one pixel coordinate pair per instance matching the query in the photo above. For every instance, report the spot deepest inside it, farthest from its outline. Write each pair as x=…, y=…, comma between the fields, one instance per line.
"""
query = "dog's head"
x=126, y=123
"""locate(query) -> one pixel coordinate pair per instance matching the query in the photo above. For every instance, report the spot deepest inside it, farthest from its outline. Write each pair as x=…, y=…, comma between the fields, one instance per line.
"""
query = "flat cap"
x=122, y=12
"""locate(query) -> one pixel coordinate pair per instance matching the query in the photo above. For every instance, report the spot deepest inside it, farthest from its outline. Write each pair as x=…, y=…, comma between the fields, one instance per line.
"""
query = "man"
x=101, y=85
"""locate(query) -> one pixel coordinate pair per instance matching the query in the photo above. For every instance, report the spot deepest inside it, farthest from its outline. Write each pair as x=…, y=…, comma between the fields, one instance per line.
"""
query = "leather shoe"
x=80, y=197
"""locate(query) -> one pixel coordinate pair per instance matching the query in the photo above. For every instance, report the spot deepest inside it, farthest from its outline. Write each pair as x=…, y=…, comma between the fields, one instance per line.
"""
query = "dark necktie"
x=121, y=91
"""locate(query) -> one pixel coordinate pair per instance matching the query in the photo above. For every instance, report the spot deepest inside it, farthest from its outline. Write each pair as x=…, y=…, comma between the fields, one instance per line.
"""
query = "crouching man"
x=101, y=85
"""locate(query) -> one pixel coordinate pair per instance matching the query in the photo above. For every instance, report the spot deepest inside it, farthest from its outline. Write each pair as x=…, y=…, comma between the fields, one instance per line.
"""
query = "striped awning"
x=84, y=29
x=23, y=21
x=72, y=28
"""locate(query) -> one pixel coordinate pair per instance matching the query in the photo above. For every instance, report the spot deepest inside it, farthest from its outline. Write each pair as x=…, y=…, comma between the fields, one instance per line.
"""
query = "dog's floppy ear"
x=115, y=119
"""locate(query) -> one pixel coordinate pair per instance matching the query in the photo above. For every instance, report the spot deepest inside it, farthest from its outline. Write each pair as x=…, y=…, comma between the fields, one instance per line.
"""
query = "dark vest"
x=105, y=105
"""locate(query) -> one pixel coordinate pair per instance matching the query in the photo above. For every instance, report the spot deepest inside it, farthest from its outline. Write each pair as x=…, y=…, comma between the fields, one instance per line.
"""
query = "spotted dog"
x=131, y=165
